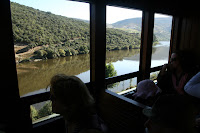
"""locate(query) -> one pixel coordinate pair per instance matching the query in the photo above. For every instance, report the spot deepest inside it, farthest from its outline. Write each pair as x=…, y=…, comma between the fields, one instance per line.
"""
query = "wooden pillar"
x=175, y=34
x=146, y=45
x=11, y=113
x=97, y=45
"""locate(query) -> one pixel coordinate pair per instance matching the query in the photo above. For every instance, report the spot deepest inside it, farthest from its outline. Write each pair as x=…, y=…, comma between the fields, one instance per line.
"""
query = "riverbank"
x=27, y=55
x=31, y=52
x=38, y=53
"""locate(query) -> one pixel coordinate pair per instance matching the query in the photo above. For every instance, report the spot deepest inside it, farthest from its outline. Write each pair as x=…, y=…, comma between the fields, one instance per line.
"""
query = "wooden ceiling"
x=170, y=7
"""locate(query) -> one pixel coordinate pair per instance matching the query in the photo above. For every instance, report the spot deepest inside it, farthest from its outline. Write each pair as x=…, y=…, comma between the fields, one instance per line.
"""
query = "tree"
x=125, y=47
x=34, y=113
x=73, y=51
x=61, y=52
x=51, y=53
x=45, y=110
x=68, y=52
x=110, y=71
x=83, y=49
x=130, y=46
x=41, y=54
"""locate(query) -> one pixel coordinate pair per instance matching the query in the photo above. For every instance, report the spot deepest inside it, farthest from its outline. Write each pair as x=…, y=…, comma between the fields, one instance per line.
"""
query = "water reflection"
x=35, y=76
x=160, y=54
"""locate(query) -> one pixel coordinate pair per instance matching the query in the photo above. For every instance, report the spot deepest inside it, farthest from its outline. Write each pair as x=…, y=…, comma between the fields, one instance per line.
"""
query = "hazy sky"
x=80, y=10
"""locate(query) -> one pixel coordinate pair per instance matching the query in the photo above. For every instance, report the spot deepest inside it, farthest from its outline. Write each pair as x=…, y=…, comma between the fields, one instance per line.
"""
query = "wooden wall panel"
x=122, y=115
x=183, y=34
x=175, y=34
x=194, y=33
x=190, y=36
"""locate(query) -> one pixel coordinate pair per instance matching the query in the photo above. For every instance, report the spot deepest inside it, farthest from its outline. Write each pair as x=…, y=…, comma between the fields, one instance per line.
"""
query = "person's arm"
x=163, y=75
x=164, y=78
x=193, y=82
x=195, y=79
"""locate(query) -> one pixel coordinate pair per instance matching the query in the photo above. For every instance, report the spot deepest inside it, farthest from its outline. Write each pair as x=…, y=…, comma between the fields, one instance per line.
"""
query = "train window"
x=123, y=39
x=42, y=111
x=154, y=75
x=161, y=38
x=123, y=87
x=50, y=37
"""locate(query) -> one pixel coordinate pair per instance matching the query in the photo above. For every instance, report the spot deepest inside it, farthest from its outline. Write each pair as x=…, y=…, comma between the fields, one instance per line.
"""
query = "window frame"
x=97, y=60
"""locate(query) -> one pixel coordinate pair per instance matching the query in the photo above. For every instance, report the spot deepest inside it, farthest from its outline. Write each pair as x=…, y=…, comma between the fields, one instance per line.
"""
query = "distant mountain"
x=162, y=27
x=133, y=23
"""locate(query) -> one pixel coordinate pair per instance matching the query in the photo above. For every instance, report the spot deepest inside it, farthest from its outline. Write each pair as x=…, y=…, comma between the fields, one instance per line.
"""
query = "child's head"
x=69, y=95
x=146, y=89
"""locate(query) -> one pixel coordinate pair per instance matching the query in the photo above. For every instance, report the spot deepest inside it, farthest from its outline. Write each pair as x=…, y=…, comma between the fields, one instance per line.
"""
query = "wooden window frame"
x=97, y=61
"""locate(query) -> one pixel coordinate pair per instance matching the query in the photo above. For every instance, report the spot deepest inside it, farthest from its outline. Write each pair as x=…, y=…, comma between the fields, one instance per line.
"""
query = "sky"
x=80, y=10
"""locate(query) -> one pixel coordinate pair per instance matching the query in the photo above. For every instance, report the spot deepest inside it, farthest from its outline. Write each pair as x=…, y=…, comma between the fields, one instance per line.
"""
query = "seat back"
x=122, y=115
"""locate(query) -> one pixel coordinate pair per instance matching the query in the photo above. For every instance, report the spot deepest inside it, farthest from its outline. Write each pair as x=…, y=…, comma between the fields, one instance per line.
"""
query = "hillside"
x=41, y=28
x=58, y=35
x=162, y=27
x=133, y=23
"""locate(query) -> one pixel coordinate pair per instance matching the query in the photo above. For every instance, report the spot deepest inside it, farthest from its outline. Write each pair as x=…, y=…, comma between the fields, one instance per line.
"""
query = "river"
x=34, y=77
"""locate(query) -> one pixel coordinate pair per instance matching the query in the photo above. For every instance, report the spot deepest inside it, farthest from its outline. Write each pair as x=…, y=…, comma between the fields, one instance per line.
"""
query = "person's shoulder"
x=91, y=131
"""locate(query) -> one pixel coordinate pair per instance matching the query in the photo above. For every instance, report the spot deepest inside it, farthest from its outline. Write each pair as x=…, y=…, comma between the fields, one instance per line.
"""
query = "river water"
x=34, y=77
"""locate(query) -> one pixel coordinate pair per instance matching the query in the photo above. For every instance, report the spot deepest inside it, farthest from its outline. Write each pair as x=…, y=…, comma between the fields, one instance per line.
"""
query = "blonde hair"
x=71, y=91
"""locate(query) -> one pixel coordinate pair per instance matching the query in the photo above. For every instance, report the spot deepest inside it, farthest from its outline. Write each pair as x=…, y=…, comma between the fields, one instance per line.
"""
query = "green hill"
x=162, y=26
x=59, y=35
x=133, y=23
x=42, y=28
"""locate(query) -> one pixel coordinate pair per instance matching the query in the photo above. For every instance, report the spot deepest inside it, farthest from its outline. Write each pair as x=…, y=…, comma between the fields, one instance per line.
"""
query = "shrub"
x=34, y=113
x=83, y=49
x=73, y=51
x=45, y=110
x=41, y=54
x=131, y=46
x=51, y=53
x=108, y=48
x=110, y=71
x=32, y=45
x=117, y=48
x=61, y=52
x=68, y=52
x=125, y=47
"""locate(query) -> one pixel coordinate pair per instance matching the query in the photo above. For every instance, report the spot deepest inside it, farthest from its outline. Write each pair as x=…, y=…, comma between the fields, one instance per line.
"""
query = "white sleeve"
x=193, y=85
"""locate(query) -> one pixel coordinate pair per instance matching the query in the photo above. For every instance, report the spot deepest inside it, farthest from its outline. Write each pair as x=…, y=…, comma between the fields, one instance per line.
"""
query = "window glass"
x=123, y=39
x=161, y=37
x=154, y=75
x=42, y=111
x=50, y=37
x=123, y=87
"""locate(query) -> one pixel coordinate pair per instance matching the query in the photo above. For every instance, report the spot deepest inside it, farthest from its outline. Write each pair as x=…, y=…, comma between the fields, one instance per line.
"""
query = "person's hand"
x=164, y=68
